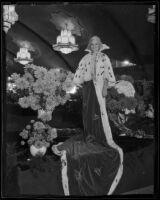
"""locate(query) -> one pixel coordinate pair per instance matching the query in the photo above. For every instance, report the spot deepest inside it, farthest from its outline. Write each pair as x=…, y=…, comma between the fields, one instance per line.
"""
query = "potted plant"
x=38, y=135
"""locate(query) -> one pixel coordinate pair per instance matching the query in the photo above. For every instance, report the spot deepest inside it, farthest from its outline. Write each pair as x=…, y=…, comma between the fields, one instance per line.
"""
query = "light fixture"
x=9, y=16
x=23, y=56
x=73, y=90
x=127, y=63
x=151, y=14
x=65, y=42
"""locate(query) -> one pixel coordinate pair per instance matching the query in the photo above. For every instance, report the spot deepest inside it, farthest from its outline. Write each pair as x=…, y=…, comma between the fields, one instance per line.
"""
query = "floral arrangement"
x=38, y=133
x=120, y=98
x=42, y=89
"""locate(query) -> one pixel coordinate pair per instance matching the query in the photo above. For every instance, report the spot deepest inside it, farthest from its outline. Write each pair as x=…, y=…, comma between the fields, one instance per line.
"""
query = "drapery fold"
x=94, y=161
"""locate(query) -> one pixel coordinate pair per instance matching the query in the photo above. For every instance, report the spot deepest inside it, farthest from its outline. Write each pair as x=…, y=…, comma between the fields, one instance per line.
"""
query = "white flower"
x=29, y=77
x=63, y=77
x=15, y=76
x=52, y=133
x=22, y=142
x=38, y=86
x=45, y=115
x=28, y=127
x=11, y=87
x=70, y=76
x=49, y=77
x=21, y=83
x=51, y=103
x=126, y=88
x=31, y=140
x=34, y=99
x=40, y=132
x=24, y=134
x=32, y=66
x=64, y=99
x=56, y=74
x=39, y=136
x=39, y=125
x=67, y=86
x=48, y=90
x=44, y=88
x=129, y=111
x=34, y=102
x=149, y=114
x=24, y=102
x=40, y=72
x=35, y=107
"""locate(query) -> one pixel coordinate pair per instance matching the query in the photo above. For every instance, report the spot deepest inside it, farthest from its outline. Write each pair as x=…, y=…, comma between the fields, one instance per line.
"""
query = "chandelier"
x=9, y=16
x=23, y=56
x=65, y=42
x=151, y=14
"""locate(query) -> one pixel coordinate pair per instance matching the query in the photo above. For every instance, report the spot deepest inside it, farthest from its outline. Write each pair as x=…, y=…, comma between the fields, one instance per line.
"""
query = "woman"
x=92, y=162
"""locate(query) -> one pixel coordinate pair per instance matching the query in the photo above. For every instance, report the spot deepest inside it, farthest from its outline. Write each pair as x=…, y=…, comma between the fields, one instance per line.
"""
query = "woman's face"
x=95, y=46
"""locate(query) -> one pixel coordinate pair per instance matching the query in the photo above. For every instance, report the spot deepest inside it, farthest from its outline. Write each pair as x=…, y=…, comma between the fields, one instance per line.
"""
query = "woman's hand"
x=105, y=88
x=104, y=92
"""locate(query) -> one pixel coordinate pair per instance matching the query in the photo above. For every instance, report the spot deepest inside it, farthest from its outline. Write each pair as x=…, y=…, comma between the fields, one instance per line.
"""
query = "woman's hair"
x=94, y=38
x=101, y=45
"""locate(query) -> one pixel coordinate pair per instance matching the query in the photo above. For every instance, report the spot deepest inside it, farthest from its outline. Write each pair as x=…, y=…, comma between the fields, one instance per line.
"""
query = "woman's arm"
x=79, y=75
x=109, y=78
x=108, y=73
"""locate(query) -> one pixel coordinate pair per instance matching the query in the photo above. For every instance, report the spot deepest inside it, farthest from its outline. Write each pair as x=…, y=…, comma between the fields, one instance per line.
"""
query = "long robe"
x=92, y=164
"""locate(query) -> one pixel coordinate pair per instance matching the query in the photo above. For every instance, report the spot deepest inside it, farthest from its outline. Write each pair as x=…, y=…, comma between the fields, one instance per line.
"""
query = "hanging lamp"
x=151, y=14
x=23, y=56
x=9, y=17
x=65, y=42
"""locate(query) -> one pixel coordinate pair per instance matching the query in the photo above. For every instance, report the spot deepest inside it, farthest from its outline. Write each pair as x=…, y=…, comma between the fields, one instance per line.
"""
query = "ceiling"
x=123, y=27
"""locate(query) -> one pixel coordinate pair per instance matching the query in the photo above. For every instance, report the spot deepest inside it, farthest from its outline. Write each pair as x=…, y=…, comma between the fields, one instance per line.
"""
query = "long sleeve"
x=109, y=74
x=79, y=75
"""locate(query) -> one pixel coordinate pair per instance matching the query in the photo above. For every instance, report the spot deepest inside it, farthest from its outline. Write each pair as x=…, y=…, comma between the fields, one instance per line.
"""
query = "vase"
x=37, y=151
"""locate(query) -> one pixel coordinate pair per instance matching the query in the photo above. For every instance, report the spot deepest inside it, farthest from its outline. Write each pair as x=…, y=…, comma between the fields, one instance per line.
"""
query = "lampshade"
x=9, y=16
x=151, y=14
x=23, y=56
x=65, y=42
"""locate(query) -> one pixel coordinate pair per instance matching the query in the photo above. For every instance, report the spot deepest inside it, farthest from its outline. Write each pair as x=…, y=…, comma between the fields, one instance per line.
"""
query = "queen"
x=92, y=162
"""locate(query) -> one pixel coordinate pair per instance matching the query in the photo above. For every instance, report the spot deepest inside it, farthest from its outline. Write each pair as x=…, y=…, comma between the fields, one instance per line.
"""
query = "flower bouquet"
x=42, y=89
x=120, y=98
x=121, y=101
x=38, y=135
